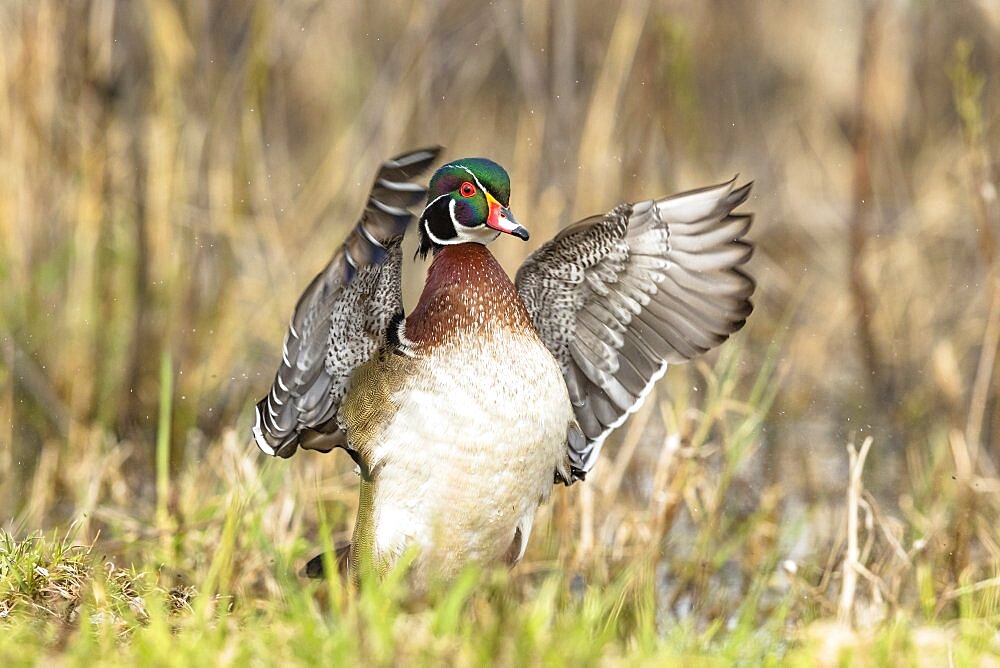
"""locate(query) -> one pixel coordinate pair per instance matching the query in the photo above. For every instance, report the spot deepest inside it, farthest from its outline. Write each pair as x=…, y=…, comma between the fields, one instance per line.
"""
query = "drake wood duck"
x=461, y=414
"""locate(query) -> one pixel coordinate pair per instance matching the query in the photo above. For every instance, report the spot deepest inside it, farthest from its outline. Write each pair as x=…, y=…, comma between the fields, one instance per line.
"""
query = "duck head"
x=467, y=201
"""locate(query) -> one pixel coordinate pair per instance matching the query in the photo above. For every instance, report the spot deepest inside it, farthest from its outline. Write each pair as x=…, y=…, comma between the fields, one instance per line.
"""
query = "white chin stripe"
x=465, y=233
x=481, y=234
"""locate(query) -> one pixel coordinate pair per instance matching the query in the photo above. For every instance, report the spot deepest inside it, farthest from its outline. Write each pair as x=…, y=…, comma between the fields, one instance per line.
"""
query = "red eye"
x=467, y=189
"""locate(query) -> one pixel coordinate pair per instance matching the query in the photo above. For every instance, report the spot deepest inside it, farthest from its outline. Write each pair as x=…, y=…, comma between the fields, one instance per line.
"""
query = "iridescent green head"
x=467, y=201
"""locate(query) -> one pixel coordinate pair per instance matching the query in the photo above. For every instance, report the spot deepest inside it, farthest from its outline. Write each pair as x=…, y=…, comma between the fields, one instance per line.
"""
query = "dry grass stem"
x=852, y=565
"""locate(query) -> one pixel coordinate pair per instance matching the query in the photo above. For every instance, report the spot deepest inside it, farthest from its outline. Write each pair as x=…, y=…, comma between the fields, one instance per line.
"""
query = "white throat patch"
x=480, y=234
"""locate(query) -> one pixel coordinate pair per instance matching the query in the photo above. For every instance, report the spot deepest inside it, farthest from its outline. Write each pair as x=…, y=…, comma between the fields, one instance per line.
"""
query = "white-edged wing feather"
x=617, y=297
x=342, y=317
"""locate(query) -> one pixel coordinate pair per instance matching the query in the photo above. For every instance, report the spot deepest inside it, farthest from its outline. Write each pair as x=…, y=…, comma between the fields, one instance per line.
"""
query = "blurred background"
x=173, y=173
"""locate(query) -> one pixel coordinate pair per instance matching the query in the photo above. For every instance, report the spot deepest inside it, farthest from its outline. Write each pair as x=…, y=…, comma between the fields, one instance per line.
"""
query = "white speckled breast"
x=471, y=452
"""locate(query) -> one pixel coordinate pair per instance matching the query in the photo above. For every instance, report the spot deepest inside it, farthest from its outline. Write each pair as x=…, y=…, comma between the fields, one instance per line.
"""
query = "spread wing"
x=616, y=298
x=342, y=317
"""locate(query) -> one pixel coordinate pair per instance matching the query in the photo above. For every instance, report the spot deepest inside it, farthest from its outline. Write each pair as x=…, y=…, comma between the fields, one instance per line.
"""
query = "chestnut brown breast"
x=466, y=289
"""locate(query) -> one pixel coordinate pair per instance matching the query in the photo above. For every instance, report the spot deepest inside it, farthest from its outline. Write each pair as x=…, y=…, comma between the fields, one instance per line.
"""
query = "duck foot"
x=341, y=558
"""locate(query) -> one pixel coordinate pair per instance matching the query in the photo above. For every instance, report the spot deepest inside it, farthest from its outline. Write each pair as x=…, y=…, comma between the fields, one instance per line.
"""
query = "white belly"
x=471, y=453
